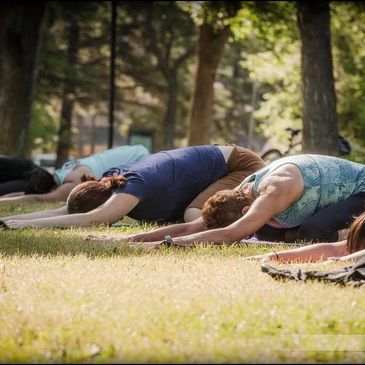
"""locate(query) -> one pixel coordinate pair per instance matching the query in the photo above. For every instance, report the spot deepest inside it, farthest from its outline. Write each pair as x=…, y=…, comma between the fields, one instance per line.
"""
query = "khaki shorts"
x=241, y=163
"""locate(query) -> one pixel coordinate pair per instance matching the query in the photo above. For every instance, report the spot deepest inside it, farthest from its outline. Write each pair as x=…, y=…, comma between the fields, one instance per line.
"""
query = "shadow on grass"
x=44, y=242
x=72, y=242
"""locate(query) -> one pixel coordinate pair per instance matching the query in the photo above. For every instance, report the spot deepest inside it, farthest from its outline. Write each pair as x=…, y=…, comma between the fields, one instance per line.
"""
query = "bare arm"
x=273, y=200
x=157, y=234
x=113, y=209
x=311, y=253
x=173, y=230
x=40, y=214
x=60, y=194
x=353, y=256
x=19, y=193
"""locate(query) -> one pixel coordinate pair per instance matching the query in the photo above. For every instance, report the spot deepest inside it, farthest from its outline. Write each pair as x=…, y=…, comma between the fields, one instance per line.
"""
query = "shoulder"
x=286, y=179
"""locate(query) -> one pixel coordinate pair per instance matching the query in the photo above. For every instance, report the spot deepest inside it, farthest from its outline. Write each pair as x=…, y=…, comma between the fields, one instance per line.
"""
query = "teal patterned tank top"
x=327, y=180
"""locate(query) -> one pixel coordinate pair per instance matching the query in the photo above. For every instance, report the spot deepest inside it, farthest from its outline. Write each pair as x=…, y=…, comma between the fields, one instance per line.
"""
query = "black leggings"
x=12, y=170
x=322, y=226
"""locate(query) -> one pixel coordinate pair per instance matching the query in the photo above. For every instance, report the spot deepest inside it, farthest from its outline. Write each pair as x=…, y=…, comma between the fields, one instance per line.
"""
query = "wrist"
x=271, y=256
x=168, y=241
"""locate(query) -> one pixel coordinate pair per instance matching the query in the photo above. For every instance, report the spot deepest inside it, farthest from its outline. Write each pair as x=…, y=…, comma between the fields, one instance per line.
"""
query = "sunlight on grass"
x=65, y=299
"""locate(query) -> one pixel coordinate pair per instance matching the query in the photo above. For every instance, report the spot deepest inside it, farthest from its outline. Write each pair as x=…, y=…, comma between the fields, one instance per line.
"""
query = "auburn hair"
x=224, y=208
x=356, y=236
x=92, y=193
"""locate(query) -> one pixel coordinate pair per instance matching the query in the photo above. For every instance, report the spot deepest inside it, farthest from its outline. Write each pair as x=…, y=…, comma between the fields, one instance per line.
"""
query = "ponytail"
x=92, y=193
x=114, y=182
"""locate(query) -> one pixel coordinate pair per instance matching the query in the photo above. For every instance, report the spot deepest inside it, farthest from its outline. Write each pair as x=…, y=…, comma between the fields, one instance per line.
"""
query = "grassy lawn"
x=64, y=299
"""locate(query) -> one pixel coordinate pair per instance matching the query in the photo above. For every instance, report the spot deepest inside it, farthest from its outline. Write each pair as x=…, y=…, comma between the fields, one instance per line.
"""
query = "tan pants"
x=241, y=163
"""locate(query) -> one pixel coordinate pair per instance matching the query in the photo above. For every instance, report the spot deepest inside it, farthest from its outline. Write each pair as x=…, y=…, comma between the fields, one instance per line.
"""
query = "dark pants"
x=322, y=226
x=12, y=170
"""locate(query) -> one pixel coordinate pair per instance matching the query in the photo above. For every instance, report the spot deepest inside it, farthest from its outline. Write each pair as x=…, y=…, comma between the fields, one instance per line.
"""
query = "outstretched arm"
x=157, y=234
x=272, y=201
x=353, y=256
x=60, y=194
x=11, y=195
x=39, y=214
x=173, y=230
x=113, y=209
x=311, y=253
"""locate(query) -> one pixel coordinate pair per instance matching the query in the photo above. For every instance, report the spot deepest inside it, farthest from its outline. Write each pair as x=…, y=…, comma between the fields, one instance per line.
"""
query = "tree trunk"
x=170, y=114
x=68, y=96
x=320, y=134
x=211, y=47
x=20, y=29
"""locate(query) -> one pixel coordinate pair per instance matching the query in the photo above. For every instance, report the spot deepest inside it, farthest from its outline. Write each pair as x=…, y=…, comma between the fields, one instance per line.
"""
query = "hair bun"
x=87, y=178
x=114, y=182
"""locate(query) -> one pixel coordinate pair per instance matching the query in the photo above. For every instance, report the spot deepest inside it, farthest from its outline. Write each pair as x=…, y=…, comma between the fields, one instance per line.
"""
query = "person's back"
x=97, y=163
x=69, y=175
x=166, y=182
x=327, y=180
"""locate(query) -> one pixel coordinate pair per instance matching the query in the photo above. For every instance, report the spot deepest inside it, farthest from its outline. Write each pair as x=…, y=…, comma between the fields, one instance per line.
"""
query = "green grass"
x=64, y=299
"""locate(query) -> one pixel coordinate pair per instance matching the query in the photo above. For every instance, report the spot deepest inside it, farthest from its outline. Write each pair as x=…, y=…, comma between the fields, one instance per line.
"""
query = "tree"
x=348, y=37
x=73, y=75
x=211, y=47
x=320, y=134
x=20, y=28
x=156, y=41
x=213, y=36
x=68, y=95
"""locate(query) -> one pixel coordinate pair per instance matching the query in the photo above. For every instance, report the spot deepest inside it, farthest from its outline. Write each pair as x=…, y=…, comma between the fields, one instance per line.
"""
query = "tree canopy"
x=172, y=79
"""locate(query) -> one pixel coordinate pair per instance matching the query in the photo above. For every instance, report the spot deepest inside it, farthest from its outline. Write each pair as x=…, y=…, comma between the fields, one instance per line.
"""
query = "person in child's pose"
x=351, y=249
x=303, y=197
x=41, y=186
x=166, y=186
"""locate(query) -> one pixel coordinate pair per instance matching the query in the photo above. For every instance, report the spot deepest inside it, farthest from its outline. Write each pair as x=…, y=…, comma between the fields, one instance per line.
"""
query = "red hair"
x=224, y=208
x=92, y=193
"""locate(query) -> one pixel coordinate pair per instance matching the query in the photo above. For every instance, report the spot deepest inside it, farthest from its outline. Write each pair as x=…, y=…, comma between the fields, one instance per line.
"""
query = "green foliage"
x=157, y=43
x=90, y=73
x=273, y=62
x=263, y=53
x=348, y=37
x=43, y=134
x=278, y=74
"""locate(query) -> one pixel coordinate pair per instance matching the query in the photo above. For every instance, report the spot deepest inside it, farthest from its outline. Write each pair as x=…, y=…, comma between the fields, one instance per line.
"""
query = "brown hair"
x=356, y=237
x=224, y=208
x=92, y=192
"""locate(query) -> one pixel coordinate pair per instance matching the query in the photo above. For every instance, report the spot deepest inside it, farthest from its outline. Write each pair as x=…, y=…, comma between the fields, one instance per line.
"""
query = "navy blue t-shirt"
x=166, y=182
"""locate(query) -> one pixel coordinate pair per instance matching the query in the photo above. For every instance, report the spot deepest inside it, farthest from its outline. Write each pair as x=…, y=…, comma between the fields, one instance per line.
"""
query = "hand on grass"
x=262, y=258
x=106, y=237
x=254, y=258
x=336, y=258
x=16, y=224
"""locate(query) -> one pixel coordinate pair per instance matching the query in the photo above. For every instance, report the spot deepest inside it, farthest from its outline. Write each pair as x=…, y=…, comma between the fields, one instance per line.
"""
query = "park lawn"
x=65, y=299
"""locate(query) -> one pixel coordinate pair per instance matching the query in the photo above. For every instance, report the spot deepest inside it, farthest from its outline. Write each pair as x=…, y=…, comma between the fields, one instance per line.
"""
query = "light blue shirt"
x=327, y=180
x=100, y=162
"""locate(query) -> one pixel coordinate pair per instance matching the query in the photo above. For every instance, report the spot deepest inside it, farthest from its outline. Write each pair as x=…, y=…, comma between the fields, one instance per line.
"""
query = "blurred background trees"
x=186, y=73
